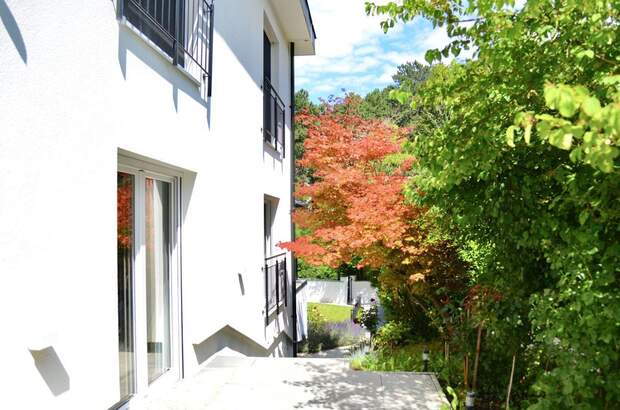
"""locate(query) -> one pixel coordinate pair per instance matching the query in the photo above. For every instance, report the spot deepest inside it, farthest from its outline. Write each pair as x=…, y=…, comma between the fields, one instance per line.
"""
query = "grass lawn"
x=332, y=313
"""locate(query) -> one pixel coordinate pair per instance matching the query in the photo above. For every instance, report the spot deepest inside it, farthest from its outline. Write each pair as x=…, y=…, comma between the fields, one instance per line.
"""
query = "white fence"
x=332, y=291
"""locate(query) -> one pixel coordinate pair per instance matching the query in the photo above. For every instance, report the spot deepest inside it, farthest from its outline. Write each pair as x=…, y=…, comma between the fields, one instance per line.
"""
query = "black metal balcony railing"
x=276, y=283
x=273, y=117
x=183, y=29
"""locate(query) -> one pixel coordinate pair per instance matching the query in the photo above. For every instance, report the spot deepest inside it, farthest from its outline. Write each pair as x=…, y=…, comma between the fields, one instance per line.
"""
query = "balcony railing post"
x=177, y=29
x=277, y=287
x=283, y=132
x=273, y=120
x=210, y=64
x=285, y=283
x=266, y=294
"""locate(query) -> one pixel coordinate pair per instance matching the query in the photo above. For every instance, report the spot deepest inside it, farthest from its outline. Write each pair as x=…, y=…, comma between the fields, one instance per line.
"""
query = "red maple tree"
x=358, y=211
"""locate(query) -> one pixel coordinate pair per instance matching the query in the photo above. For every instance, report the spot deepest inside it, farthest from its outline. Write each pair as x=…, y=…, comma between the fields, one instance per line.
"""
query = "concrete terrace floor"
x=234, y=383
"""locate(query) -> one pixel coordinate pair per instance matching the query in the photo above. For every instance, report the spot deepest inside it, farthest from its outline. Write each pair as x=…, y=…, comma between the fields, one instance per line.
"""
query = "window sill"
x=125, y=23
x=273, y=149
x=280, y=308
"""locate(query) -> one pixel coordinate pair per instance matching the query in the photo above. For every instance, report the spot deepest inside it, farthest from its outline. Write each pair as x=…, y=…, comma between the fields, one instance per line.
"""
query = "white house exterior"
x=142, y=189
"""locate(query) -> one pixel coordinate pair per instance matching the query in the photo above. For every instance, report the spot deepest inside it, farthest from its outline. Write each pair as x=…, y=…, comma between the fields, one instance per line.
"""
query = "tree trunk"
x=512, y=373
x=466, y=371
x=475, y=377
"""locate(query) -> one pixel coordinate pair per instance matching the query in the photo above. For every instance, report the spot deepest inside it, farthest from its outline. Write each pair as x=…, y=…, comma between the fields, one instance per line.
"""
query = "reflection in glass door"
x=157, y=225
x=125, y=246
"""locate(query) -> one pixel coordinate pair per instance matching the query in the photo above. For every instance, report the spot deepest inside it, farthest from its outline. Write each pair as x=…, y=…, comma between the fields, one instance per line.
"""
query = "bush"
x=370, y=318
x=391, y=334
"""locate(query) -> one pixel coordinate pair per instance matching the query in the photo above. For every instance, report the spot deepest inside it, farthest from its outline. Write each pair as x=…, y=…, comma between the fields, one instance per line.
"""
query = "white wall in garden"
x=326, y=291
x=365, y=290
x=331, y=291
x=77, y=87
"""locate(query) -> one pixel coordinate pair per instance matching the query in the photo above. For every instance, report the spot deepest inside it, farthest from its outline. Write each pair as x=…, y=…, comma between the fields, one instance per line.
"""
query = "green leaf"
x=399, y=95
x=567, y=106
x=528, y=133
x=591, y=106
x=432, y=55
x=585, y=53
x=510, y=136
x=583, y=216
x=561, y=140
x=551, y=95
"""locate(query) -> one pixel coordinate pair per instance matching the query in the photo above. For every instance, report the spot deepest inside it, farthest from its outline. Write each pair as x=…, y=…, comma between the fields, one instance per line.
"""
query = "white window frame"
x=141, y=170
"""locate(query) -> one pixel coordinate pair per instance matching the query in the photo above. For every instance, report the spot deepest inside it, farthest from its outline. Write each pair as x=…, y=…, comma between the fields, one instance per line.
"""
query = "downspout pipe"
x=292, y=165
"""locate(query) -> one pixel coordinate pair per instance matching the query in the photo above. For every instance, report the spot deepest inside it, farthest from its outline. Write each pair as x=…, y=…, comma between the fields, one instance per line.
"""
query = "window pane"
x=157, y=225
x=268, y=221
x=125, y=244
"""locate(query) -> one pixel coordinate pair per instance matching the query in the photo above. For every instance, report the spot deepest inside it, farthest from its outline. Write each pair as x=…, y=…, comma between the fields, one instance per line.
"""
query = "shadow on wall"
x=51, y=369
x=245, y=44
x=227, y=337
x=11, y=27
x=280, y=349
x=128, y=41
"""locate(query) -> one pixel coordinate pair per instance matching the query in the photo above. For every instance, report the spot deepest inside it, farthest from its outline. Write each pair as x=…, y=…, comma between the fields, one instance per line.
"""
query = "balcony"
x=276, y=284
x=273, y=118
x=181, y=29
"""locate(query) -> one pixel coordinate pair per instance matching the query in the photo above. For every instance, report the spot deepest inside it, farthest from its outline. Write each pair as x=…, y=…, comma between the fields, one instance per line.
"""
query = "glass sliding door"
x=125, y=277
x=147, y=281
x=157, y=244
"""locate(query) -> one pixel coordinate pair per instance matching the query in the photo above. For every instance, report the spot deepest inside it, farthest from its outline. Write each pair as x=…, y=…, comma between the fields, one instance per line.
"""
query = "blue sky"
x=353, y=53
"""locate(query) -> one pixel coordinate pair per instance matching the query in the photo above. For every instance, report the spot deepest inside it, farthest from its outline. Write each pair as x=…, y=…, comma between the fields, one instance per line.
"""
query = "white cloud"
x=353, y=53
x=347, y=42
x=437, y=38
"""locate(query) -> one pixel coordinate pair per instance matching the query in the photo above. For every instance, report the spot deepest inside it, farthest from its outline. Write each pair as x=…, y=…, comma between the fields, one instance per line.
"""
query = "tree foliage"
x=525, y=165
x=358, y=213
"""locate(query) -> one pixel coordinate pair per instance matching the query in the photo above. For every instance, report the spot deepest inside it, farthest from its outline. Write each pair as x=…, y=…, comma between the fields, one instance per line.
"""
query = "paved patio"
x=234, y=383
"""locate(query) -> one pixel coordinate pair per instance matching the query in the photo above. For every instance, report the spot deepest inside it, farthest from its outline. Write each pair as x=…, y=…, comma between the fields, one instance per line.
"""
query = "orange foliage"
x=358, y=211
x=357, y=206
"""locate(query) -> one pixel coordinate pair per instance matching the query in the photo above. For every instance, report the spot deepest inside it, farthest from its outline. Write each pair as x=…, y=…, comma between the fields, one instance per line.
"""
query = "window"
x=275, y=262
x=270, y=207
x=273, y=106
x=182, y=29
x=147, y=285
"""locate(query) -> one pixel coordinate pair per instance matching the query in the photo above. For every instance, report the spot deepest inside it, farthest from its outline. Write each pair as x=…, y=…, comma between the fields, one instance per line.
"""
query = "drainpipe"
x=292, y=159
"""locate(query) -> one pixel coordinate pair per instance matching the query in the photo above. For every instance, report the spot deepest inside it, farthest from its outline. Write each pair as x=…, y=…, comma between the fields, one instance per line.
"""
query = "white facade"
x=84, y=95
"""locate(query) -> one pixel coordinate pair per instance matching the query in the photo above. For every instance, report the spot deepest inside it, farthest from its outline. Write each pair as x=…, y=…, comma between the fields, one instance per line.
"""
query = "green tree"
x=526, y=163
x=303, y=104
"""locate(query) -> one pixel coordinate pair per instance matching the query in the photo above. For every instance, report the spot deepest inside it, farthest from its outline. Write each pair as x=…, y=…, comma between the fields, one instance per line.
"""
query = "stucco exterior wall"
x=76, y=87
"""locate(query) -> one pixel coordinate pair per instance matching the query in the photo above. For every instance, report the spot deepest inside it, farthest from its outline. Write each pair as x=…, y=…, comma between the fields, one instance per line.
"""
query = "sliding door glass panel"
x=125, y=244
x=157, y=241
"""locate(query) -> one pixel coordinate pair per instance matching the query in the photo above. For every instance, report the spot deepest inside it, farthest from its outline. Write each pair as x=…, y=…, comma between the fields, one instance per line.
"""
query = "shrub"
x=391, y=334
x=370, y=318
x=325, y=335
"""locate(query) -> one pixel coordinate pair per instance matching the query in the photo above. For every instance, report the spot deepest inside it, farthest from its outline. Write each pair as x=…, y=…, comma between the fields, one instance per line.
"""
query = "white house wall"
x=78, y=87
